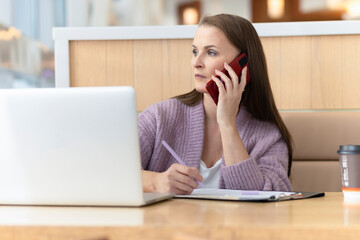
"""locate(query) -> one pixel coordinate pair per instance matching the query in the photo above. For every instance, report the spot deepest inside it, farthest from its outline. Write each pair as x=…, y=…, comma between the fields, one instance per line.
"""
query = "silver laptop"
x=71, y=146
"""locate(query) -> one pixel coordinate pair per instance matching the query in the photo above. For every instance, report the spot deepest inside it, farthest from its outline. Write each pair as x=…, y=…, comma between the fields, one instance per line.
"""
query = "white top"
x=211, y=175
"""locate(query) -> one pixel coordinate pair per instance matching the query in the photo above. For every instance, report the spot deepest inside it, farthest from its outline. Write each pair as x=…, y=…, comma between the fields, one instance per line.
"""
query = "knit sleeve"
x=265, y=169
x=147, y=135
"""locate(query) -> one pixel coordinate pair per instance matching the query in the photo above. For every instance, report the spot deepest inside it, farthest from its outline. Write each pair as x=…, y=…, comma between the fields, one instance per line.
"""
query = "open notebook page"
x=240, y=195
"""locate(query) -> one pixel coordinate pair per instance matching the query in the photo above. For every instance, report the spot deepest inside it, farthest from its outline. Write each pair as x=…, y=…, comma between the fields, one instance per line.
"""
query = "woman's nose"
x=197, y=62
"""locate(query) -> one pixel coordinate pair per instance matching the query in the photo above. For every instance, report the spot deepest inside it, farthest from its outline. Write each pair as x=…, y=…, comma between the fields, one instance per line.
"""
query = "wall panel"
x=326, y=75
x=87, y=63
x=177, y=72
x=295, y=73
x=350, y=64
x=147, y=72
x=119, y=63
x=306, y=72
x=272, y=46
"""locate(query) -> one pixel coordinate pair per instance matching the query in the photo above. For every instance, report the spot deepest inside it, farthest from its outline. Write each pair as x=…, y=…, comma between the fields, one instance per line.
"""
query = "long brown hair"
x=258, y=97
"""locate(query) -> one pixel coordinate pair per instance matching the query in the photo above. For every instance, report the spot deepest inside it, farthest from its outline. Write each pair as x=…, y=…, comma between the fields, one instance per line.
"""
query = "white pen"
x=178, y=159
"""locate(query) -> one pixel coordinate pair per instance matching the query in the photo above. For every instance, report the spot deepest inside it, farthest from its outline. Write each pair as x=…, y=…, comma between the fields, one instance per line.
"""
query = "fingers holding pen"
x=179, y=176
x=191, y=172
x=178, y=179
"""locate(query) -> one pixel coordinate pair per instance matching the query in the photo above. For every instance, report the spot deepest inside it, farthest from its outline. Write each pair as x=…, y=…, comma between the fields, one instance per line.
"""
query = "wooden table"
x=328, y=217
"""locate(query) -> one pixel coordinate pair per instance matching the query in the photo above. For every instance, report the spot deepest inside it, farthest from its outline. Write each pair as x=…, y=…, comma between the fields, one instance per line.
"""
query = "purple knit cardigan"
x=182, y=127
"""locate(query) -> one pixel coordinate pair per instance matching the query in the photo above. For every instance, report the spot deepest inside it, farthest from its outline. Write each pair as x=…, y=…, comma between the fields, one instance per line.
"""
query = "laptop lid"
x=70, y=146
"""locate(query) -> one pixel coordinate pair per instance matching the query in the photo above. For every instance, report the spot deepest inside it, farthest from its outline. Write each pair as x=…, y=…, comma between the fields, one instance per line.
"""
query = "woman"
x=241, y=143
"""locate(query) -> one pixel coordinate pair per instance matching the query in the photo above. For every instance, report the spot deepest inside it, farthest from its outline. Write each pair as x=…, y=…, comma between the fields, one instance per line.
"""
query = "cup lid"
x=349, y=149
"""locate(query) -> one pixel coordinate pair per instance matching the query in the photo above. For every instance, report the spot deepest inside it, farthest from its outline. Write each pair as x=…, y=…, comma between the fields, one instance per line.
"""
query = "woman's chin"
x=201, y=88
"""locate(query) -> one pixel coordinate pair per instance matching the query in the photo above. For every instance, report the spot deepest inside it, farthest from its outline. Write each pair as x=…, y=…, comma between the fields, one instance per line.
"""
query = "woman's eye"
x=212, y=53
x=194, y=52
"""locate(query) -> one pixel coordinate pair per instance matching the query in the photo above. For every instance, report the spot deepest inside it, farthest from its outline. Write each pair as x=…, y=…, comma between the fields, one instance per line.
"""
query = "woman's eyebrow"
x=209, y=46
x=206, y=47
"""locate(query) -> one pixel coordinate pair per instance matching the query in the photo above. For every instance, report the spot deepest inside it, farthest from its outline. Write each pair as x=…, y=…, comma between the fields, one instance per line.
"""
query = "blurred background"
x=26, y=45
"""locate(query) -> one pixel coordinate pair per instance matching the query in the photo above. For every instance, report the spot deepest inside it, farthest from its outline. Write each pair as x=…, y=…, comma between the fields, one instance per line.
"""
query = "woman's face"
x=211, y=49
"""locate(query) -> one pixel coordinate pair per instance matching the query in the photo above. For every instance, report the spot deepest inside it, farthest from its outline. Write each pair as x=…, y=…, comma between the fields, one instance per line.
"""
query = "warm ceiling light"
x=8, y=35
x=335, y=4
x=352, y=8
x=190, y=16
x=275, y=8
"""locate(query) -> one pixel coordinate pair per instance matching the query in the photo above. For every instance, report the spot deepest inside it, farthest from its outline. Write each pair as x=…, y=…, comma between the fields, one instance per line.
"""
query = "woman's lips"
x=199, y=76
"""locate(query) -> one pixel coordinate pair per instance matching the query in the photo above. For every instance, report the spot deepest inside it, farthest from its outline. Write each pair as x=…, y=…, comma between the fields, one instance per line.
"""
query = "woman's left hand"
x=229, y=95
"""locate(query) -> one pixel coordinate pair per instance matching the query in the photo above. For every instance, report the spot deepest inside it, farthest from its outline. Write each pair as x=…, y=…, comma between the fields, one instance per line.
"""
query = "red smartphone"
x=237, y=65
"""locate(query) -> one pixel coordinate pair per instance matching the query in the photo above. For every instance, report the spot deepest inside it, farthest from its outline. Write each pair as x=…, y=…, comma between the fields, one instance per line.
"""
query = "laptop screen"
x=75, y=146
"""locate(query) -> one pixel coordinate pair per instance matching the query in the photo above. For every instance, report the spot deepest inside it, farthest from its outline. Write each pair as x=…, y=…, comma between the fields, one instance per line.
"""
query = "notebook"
x=247, y=196
x=71, y=146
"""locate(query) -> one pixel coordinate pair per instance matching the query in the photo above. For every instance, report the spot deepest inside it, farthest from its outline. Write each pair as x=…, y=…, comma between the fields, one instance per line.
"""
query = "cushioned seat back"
x=317, y=136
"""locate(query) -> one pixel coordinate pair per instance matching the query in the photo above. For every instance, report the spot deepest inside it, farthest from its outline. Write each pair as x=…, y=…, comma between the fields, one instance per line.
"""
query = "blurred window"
x=26, y=17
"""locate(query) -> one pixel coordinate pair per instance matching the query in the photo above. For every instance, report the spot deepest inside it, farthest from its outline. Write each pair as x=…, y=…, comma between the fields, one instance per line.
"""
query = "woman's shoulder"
x=257, y=126
x=165, y=106
x=169, y=108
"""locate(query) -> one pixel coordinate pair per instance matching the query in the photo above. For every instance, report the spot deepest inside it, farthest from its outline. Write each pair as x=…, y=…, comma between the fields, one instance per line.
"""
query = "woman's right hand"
x=178, y=179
